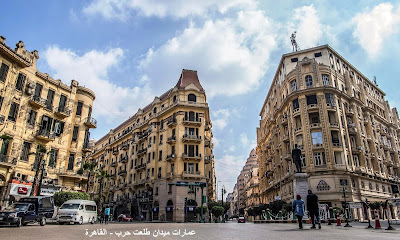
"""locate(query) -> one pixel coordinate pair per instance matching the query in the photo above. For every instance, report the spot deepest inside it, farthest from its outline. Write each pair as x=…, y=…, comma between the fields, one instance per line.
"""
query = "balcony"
x=141, y=166
x=171, y=140
x=122, y=173
x=90, y=122
x=207, y=159
x=63, y=112
x=124, y=159
x=317, y=146
x=352, y=128
x=207, y=142
x=114, y=164
x=125, y=146
x=141, y=151
x=315, y=125
x=355, y=149
x=7, y=161
x=297, y=130
x=171, y=122
x=37, y=102
x=284, y=120
x=72, y=174
x=334, y=125
x=113, y=176
x=123, y=186
x=86, y=148
x=296, y=111
x=170, y=175
x=191, y=174
x=45, y=135
x=171, y=157
x=349, y=112
x=189, y=158
x=191, y=138
x=312, y=106
x=331, y=105
x=2, y=119
x=192, y=121
x=285, y=138
x=115, y=151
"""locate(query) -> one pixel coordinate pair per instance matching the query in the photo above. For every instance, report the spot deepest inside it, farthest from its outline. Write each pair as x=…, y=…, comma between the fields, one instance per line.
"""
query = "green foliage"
x=80, y=171
x=276, y=206
x=250, y=212
x=90, y=166
x=241, y=211
x=211, y=204
x=61, y=197
x=339, y=210
x=217, y=211
x=227, y=206
x=198, y=209
x=287, y=207
x=375, y=205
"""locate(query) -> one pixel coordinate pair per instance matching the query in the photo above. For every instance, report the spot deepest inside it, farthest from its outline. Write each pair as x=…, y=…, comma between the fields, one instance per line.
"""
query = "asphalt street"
x=207, y=231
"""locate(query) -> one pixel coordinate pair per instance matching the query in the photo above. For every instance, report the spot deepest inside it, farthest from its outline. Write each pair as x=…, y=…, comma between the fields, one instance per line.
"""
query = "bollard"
x=377, y=222
x=338, y=222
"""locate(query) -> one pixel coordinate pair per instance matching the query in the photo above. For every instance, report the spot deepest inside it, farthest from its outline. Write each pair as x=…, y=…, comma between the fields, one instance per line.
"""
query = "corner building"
x=37, y=109
x=348, y=134
x=150, y=156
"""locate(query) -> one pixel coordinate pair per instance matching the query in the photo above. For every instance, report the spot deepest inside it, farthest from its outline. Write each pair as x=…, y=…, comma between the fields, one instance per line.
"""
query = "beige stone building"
x=348, y=134
x=166, y=144
x=243, y=183
x=37, y=109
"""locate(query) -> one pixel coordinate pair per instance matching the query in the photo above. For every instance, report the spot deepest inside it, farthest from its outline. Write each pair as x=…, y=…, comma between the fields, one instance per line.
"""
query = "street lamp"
x=346, y=208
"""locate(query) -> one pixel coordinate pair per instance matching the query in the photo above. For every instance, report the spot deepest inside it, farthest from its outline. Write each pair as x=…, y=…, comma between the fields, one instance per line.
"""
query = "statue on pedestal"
x=296, y=156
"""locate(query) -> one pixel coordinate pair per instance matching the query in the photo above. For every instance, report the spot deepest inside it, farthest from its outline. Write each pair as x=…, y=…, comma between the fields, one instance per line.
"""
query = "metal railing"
x=45, y=133
x=91, y=120
x=8, y=159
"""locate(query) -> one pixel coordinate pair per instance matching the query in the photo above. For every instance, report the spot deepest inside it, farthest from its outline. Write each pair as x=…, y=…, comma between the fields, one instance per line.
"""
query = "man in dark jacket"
x=312, y=207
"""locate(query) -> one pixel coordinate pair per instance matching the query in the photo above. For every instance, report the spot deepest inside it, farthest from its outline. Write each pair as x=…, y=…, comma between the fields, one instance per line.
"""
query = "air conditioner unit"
x=30, y=178
x=17, y=175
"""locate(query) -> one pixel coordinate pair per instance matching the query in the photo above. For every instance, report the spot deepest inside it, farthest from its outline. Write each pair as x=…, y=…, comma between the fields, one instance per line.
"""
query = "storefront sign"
x=22, y=190
x=49, y=191
x=355, y=204
x=17, y=189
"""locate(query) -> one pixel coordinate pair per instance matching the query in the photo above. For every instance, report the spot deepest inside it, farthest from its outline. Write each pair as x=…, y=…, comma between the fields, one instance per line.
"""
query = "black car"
x=28, y=210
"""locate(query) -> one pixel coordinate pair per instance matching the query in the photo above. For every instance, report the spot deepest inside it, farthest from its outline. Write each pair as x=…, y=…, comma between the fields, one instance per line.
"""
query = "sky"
x=129, y=51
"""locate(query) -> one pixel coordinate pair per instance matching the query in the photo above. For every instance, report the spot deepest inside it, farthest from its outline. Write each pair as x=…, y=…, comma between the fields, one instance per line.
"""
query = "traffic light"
x=185, y=201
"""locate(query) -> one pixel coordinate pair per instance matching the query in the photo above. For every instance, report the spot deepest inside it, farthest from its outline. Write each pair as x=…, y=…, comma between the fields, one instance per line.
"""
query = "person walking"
x=313, y=209
x=298, y=209
x=106, y=215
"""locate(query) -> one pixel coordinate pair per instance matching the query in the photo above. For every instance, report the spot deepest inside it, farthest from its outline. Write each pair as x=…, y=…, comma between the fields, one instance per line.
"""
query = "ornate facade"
x=348, y=134
x=36, y=109
x=154, y=154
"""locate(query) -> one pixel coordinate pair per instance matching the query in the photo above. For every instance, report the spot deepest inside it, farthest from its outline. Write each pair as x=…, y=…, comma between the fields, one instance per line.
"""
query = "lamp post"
x=366, y=213
x=346, y=208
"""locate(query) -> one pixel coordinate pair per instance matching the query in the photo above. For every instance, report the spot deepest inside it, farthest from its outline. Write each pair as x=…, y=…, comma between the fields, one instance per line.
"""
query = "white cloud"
x=122, y=9
x=247, y=143
x=373, y=27
x=216, y=142
x=310, y=31
x=230, y=54
x=227, y=170
x=220, y=118
x=91, y=70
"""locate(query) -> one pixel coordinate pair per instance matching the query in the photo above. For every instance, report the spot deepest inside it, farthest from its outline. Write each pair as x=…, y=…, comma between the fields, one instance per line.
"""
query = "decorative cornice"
x=11, y=53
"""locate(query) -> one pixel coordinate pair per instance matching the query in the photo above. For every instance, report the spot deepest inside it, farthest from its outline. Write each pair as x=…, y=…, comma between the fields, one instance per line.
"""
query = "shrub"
x=217, y=211
x=61, y=197
x=276, y=206
x=375, y=205
x=198, y=209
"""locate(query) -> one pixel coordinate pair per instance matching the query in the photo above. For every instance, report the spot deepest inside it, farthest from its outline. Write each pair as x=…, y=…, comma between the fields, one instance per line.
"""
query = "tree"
x=101, y=175
x=61, y=197
x=226, y=206
x=198, y=209
x=375, y=205
x=90, y=168
x=276, y=206
x=250, y=212
x=217, y=211
x=211, y=204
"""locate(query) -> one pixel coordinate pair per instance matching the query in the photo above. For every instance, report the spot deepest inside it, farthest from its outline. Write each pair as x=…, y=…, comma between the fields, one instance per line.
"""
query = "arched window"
x=192, y=98
x=174, y=99
x=155, y=110
x=309, y=81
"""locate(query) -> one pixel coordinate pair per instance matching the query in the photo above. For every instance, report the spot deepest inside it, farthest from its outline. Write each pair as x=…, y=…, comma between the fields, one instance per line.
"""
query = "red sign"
x=22, y=190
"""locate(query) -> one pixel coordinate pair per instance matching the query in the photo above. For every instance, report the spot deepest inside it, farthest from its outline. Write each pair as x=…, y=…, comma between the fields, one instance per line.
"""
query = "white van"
x=77, y=211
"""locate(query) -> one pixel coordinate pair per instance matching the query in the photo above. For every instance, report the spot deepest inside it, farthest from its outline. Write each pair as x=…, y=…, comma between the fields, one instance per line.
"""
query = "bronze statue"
x=296, y=156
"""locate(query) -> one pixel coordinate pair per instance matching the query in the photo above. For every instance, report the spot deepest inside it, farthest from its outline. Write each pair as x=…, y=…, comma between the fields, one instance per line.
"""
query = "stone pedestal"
x=300, y=186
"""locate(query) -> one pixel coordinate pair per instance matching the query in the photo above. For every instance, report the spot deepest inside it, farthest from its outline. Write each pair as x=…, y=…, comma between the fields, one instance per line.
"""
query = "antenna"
x=294, y=43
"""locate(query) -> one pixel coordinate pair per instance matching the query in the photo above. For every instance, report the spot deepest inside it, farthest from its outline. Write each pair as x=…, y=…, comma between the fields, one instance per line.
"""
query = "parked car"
x=124, y=218
x=241, y=220
x=28, y=210
x=77, y=211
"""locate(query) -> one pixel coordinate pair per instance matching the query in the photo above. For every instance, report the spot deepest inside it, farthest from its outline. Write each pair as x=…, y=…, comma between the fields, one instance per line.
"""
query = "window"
x=318, y=54
x=61, y=104
x=50, y=98
x=58, y=127
x=319, y=159
x=12, y=115
x=3, y=72
x=325, y=79
x=296, y=104
x=75, y=133
x=311, y=99
x=294, y=59
x=1, y=101
x=4, y=147
x=160, y=155
x=329, y=99
x=294, y=85
x=79, y=109
x=159, y=172
x=71, y=161
x=316, y=138
x=20, y=82
x=53, y=158
x=25, y=151
x=155, y=110
x=192, y=98
x=309, y=82
x=356, y=161
x=32, y=118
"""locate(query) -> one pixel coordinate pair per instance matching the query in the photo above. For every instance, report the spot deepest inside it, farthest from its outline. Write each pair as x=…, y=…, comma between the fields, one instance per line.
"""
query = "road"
x=207, y=231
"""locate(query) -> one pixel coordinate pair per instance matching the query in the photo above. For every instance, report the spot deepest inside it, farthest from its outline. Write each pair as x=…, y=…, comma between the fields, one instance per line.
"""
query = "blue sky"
x=129, y=51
